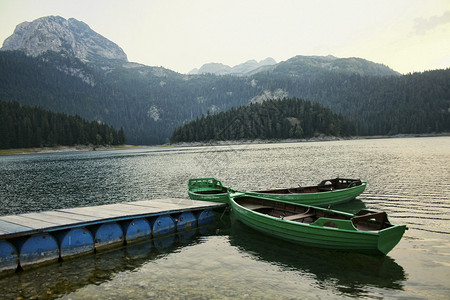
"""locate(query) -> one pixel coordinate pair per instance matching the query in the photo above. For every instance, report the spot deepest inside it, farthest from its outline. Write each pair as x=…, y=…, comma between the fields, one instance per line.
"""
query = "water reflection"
x=344, y=273
x=407, y=178
x=351, y=207
x=349, y=273
x=56, y=280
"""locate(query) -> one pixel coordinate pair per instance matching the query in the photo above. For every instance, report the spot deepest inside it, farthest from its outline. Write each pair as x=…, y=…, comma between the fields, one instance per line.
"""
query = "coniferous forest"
x=272, y=119
x=150, y=102
x=27, y=126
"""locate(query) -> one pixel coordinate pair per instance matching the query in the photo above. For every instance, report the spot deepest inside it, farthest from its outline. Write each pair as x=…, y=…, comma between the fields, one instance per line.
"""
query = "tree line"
x=412, y=103
x=31, y=126
x=272, y=119
x=149, y=103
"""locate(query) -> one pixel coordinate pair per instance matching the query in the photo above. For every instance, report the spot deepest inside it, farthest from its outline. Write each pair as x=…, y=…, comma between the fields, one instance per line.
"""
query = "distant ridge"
x=305, y=65
x=245, y=68
x=300, y=66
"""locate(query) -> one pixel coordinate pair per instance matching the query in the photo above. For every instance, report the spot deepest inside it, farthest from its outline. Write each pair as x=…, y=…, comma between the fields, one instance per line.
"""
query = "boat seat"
x=299, y=216
x=253, y=206
x=364, y=223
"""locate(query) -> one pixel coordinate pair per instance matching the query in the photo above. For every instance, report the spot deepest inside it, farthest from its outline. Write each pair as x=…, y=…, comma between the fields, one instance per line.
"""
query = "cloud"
x=422, y=25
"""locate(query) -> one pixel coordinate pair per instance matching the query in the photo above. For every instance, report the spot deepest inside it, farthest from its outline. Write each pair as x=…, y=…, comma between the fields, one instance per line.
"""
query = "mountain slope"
x=135, y=99
x=150, y=102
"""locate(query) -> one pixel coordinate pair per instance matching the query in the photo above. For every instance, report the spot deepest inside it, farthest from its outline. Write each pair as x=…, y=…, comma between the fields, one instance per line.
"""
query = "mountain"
x=312, y=65
x=70, y=37
x=239, y=70
x=141, y=99
x=300, y=66
x=213, y=68
x=150, y=102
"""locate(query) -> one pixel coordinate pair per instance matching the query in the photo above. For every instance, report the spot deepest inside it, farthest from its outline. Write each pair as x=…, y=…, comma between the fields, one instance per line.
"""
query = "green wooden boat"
x=207, y=189
x=365, y=232
x=327, y=192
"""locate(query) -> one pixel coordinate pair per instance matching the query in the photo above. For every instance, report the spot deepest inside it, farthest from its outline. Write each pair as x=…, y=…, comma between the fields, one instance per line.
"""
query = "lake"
x=409, y=178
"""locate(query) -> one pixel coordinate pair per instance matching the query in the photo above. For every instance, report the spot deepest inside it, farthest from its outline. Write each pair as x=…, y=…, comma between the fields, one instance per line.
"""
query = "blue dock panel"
x=163, y=225
x=205, y=216
x=186, y=221
x=75, y=241
x=38, y=248
x=136, y=229
x=9, y=257
x=107, y=234
x=32, y=238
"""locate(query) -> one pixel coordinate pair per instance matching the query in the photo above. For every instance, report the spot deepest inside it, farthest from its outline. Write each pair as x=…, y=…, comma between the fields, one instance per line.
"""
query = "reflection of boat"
x=350, y=273
x=207, y=189
x=327, y=192
x=352, y=207
x=368, y=232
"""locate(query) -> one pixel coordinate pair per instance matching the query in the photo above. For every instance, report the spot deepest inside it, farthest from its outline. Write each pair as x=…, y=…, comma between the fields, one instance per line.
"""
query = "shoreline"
x=59, y=149
x=80, y=148
x=310, y=140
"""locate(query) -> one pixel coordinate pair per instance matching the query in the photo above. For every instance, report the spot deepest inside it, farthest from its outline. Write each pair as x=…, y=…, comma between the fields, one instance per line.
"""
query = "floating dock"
x=34, y=238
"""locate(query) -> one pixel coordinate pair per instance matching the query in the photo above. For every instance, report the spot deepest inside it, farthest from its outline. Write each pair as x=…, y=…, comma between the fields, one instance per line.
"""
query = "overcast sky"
x=406, y=35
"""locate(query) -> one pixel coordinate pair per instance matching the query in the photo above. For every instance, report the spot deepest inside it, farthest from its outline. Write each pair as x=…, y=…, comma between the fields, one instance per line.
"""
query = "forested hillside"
x=408, y=104
x=271, y=119
x=149, y=102
x=306, y=66
x=26, y=126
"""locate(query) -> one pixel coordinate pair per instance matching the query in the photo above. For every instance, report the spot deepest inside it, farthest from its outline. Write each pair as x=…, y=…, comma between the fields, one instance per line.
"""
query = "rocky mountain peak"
x=72, y=37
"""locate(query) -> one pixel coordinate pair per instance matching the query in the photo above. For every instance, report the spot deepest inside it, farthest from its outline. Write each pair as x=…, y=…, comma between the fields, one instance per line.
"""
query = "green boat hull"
x=215, y=197
x=333, y=191
x=316, y=199
x=208, y=189
x=317, y=234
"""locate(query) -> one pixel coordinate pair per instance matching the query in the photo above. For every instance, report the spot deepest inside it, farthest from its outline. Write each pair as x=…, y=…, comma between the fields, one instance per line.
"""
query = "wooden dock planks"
x=7, y=227
x=29, y=223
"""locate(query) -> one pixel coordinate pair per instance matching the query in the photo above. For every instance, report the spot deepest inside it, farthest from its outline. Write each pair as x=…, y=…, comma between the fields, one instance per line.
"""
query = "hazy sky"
x=406, y=35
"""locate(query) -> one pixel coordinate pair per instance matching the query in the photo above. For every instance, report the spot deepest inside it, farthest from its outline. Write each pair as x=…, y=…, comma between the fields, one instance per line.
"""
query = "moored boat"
x=327, y=192
x=207, y=189
x=365, y=232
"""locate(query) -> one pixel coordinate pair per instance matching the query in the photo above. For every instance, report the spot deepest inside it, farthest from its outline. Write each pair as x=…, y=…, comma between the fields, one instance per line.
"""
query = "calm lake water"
x=408, y=178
